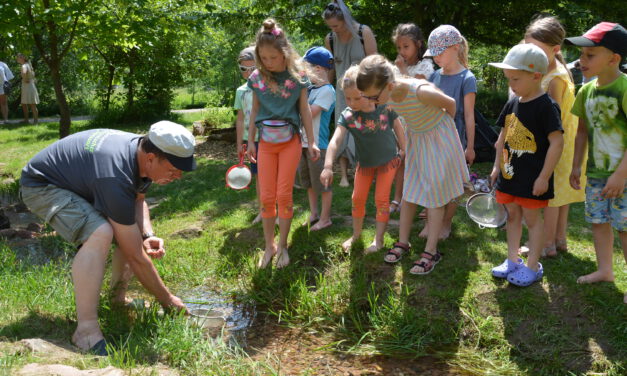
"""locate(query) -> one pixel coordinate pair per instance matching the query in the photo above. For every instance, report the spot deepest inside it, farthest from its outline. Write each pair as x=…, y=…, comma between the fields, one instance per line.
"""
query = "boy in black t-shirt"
x=528, y=148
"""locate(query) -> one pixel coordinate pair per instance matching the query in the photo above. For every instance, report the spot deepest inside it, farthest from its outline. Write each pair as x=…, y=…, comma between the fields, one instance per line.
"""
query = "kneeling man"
x=90, y=188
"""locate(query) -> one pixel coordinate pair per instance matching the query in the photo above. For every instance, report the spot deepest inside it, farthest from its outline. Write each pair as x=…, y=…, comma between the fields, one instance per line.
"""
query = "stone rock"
x=190, y=232
x=42, y=348
x=34, y=227
x=24, y=234
x=34, y=369
x=20, y=208
x=7, y=181
x=8, y=233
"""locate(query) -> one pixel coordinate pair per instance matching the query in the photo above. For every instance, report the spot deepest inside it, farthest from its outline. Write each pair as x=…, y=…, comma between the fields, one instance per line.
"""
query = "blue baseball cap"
x=319, y=56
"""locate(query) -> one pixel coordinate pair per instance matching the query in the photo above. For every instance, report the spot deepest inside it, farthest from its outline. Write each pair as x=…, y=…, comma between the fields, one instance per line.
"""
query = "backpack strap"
x=361, y=35
x=360, y=32
x=330, y=36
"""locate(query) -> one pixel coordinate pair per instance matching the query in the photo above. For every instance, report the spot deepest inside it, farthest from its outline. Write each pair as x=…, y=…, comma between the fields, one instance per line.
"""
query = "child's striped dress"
x=435, y=167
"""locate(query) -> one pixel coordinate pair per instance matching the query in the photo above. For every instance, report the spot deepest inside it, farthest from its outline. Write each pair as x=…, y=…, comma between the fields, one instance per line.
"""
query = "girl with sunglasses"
x=435, y=169
x=244, y=105
x=378, y=132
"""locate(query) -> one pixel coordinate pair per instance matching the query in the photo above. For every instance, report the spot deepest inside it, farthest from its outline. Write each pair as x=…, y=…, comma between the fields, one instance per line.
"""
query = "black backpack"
x=485, y=137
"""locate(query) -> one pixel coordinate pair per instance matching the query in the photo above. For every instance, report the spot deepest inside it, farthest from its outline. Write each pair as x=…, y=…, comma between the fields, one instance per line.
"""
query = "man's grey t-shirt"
x=99, y=165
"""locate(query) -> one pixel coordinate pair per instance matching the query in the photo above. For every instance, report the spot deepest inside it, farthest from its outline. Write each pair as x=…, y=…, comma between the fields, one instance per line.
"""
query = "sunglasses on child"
x=375, y=98
x=243, y=68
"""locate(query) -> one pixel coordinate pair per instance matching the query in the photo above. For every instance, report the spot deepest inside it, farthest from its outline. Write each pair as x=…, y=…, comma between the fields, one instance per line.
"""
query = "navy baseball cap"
x=605, y=34
x=319, y=56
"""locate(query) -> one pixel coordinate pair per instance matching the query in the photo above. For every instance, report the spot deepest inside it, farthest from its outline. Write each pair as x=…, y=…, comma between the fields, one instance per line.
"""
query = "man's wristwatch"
x=147, y=235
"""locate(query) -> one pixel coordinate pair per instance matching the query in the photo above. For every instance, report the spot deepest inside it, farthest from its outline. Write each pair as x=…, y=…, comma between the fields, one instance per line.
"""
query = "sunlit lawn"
x=354, y=302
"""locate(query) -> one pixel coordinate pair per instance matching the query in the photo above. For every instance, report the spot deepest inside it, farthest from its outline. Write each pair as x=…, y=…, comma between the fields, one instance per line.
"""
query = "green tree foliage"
x=149, y=47
x=52, y=26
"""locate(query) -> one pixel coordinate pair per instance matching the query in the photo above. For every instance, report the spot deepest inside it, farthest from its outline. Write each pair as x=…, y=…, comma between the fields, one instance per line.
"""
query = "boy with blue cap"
x=322, y=103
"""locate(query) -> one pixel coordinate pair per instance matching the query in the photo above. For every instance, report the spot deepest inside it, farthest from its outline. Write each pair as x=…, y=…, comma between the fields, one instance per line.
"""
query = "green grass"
x=183, y=98
x=353, y=303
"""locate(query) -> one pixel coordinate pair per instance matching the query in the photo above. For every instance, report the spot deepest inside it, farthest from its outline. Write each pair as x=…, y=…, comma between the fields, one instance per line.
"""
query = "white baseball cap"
x=176, y=142
x=527, y=57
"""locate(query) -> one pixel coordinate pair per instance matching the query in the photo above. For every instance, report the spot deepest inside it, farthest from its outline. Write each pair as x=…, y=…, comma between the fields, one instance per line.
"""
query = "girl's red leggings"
x=277, y=164
x=363, y=180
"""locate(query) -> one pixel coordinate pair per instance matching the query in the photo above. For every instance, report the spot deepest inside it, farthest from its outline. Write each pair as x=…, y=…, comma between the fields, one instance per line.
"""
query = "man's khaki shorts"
x=73, y=218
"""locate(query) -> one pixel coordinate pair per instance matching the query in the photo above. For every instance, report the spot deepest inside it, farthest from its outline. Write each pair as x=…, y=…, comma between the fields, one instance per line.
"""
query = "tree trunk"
x=64, y=109
x=109, y=87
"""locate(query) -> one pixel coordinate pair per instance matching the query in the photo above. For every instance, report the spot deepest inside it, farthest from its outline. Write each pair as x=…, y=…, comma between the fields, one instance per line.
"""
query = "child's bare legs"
x=603, y=244
x=268, y=235
x=551, y=218
x=358, y=224
x=408, y=210
x=447, y=222
x=435, y=217
x=533, y=219
x=313, y=205
x=284, y=230
x=398, y=187
x=325, y=212
x=562, y=228
x=377, y=242
x=344, y=172
x=258, y=217
x=513, y=229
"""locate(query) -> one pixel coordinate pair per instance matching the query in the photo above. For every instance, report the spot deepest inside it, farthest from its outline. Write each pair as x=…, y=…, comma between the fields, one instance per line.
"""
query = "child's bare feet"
x=283, y=259
x=346, y=246
x=266, y=259
x=311, y=221
x=344, y=182
x=597, y=276
x=374, y=246
x=321, y=225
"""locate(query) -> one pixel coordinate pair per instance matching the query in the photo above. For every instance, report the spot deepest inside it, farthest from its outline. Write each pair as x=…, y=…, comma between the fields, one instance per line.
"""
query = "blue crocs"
x=505, y=268
x=524, y=276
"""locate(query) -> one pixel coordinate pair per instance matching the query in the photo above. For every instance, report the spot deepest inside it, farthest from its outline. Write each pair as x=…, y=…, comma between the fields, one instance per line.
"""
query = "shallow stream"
x=217, y=314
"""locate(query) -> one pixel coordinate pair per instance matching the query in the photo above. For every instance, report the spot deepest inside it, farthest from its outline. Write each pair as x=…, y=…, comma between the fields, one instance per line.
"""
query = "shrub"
x=490, y=103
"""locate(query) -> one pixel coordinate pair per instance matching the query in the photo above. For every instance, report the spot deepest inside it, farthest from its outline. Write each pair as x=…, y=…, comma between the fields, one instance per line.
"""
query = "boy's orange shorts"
x=527, y=203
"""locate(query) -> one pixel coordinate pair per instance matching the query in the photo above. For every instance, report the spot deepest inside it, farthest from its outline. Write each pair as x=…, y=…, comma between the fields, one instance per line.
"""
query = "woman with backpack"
x=349, y=42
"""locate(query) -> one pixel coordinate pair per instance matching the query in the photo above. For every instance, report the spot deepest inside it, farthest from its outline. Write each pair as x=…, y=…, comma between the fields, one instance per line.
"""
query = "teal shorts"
x=605, y=210
x=72, y=217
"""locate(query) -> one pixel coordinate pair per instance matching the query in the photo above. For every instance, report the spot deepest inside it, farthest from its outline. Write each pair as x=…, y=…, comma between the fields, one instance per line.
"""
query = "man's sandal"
x=397, y=252
x=428, y=265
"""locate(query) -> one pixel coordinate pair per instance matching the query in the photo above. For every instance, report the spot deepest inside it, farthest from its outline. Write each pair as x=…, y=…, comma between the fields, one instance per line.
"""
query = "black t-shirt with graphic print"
x=527, y=127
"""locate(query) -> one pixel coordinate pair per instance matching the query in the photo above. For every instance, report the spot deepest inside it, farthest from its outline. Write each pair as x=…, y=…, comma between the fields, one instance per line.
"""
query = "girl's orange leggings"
x=363, y=180
x=277, y=164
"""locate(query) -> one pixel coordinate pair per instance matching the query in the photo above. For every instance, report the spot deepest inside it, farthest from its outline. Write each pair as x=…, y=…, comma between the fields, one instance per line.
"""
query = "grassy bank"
x=353, y=304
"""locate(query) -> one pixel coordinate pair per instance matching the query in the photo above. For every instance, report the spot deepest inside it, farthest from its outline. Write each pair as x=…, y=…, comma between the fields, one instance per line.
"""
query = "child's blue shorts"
x=605, y=210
